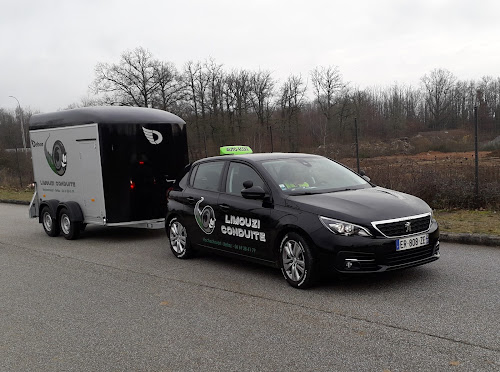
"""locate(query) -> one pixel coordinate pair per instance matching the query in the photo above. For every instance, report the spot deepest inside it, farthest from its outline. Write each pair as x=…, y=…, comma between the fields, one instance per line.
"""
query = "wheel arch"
x=288, y=229
x=52, y=204
x=75, y=212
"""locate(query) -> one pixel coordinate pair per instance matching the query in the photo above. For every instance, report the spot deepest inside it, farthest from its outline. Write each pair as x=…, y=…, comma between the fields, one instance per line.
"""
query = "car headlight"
x=343, y=228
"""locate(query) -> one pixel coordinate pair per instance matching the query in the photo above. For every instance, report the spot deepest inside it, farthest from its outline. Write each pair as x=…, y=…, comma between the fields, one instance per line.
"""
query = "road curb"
x=464, y=238
x=472, y=239
x=21, y=202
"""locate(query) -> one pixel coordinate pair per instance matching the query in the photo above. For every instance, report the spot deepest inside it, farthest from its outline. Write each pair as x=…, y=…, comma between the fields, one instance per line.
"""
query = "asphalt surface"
x=117, y=300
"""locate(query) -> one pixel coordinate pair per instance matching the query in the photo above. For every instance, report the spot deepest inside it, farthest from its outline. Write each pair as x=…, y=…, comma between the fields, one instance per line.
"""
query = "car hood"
x=361, y=206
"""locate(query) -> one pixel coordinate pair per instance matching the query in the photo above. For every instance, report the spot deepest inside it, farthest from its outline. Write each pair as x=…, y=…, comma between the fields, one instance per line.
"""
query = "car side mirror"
x=253, y=192
x=364, y=176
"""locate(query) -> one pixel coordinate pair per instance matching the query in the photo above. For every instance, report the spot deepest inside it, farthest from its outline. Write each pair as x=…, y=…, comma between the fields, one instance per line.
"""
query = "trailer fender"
x=75, y=212
x=52, y=204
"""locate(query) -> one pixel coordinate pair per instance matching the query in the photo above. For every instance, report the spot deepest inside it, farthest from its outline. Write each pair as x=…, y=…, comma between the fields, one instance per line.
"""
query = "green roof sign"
x=235, y=150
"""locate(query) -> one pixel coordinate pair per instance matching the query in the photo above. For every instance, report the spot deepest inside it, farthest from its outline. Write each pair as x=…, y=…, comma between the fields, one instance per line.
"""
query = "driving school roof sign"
x=235, y=150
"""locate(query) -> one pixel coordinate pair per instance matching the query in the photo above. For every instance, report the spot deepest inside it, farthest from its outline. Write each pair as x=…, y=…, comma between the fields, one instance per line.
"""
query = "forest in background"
x=314, y=113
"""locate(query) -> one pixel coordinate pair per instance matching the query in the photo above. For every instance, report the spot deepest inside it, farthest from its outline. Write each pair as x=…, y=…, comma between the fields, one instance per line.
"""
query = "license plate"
x=412, y=242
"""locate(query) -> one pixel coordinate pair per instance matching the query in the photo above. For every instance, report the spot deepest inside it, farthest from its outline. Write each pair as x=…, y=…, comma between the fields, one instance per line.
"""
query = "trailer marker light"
x=92, y=200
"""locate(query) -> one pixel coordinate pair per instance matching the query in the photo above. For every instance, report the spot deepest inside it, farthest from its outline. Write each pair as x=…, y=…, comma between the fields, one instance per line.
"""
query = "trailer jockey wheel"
x=70, y=229
x=50, y=225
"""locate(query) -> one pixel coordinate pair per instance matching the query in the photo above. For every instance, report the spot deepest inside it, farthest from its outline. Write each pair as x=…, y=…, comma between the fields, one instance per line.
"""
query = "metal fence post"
x=476, y=157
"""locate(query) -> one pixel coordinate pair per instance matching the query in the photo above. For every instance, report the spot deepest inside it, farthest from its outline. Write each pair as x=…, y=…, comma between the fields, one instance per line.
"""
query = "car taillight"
x=132, y=185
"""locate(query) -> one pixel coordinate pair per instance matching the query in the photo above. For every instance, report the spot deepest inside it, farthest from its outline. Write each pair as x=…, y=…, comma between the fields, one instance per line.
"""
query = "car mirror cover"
x=254, y=192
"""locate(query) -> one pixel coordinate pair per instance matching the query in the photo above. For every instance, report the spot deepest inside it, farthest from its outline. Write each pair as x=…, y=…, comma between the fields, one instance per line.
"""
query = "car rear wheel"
x=296, y=261
x=179, y=243
x=49, y=224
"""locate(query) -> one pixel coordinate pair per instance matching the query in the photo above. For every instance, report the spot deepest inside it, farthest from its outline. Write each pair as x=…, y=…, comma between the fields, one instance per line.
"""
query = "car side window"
x=239, y=173
x=208, y=175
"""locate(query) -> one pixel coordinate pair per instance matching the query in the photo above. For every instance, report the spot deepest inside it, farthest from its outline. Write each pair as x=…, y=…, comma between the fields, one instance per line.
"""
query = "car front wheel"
x=296, y=261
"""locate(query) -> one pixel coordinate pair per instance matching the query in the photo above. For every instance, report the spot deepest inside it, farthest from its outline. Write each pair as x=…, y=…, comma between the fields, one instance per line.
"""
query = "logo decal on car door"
x=205, y=218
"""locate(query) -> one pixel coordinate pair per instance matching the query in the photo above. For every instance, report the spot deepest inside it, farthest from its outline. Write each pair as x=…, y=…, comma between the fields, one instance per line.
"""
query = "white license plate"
x=412, y=242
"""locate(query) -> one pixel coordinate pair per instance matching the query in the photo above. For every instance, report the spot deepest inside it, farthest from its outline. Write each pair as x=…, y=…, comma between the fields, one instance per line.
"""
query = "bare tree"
x=291, y=101
x=131, y=82
x=262, y=91
x=439, y=88
x=170, y=89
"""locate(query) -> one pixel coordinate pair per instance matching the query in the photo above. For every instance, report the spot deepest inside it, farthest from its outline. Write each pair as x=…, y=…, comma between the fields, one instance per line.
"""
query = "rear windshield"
x=313, y=175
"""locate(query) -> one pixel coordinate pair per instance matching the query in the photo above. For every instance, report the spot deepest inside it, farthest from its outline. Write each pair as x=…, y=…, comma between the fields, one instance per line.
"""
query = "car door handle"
x=224, y=207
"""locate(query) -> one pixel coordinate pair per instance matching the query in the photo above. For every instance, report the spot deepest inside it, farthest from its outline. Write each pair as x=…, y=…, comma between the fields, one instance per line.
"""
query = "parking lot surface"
x=117, y=299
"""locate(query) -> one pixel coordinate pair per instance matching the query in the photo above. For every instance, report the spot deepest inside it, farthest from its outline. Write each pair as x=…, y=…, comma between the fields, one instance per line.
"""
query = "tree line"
x=302, y=113
x=298, y=114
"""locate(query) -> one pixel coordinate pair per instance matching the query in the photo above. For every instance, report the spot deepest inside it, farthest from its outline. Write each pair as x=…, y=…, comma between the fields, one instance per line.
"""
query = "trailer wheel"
x=179, y=242
x=49, y=224
x=70, y=229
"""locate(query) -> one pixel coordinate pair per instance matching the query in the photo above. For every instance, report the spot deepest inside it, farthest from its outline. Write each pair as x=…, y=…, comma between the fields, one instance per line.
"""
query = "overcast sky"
x=49, y=48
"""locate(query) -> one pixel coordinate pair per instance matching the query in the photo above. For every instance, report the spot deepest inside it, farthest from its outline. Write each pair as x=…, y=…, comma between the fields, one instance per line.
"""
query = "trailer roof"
x=103, y=115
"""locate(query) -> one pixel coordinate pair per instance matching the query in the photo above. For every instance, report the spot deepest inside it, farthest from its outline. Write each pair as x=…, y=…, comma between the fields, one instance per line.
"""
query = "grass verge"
x=473, y=222
x=13, y=194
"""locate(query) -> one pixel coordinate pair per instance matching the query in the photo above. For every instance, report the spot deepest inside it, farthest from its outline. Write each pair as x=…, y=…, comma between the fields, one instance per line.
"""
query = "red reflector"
x=168, y=191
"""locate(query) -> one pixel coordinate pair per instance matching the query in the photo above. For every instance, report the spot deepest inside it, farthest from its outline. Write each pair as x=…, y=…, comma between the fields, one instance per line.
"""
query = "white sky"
x=49, y=48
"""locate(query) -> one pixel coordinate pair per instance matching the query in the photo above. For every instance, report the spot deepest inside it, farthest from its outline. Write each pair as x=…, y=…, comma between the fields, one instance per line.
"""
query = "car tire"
x=69, y=229
x=178, y=239
x=50, y=226
x=296, y=261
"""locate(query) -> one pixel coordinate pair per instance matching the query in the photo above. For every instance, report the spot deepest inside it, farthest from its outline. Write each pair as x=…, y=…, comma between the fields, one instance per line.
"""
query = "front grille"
x=408, y=256
x=403, y=226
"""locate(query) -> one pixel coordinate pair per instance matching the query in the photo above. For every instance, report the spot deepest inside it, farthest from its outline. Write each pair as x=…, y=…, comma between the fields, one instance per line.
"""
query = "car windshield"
x=312, y=175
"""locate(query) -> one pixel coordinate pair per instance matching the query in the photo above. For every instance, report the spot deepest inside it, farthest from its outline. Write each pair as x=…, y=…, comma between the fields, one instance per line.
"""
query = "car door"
x=246, y=227
x=201, y=196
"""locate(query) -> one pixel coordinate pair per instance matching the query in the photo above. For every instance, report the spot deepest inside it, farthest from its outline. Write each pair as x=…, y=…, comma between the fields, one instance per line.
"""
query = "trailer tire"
x=70, y=229
x=50, y=224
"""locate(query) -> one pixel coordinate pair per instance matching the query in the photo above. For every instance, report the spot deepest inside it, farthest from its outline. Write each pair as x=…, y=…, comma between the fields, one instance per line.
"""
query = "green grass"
x=464, y=221
x=13, y=194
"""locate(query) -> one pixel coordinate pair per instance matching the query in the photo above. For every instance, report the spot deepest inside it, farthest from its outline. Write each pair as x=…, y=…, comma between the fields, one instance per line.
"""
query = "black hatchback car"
x=298, y=212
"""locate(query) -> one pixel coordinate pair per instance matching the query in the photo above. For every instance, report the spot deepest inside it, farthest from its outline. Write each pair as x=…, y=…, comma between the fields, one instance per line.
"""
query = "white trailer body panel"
x=67, y=167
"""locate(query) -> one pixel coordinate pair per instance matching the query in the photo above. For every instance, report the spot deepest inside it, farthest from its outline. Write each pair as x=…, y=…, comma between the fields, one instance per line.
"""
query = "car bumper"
x=356, y=255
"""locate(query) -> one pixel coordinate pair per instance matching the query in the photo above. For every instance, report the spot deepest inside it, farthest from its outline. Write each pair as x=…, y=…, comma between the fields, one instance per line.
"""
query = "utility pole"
x=22, y=123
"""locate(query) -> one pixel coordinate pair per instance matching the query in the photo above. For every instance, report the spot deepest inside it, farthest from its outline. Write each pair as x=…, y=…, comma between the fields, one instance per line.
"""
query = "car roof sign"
x=235, y=150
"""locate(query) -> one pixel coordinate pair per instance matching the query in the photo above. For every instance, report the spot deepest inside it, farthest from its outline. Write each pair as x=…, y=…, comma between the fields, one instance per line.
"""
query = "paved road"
x=118, y=300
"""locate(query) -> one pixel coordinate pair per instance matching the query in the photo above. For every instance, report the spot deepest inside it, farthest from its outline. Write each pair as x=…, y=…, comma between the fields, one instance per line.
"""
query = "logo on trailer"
x=150, y=135
x=58, y=160
x=205, y=218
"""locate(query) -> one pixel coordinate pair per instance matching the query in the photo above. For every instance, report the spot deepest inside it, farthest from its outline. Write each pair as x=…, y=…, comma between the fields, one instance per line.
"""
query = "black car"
x=298, y=212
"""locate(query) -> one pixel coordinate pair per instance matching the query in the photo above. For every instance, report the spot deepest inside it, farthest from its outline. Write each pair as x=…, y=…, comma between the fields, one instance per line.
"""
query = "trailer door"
x=91, y=181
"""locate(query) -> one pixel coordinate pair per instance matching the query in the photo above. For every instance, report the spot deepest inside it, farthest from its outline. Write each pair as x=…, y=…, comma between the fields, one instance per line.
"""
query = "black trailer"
x=109, y=166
